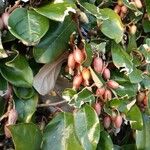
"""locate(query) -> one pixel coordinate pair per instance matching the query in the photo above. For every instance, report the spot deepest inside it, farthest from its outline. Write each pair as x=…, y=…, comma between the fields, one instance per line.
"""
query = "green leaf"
x=112, y=27
x=135, y=118
x=146, y=82
x=121, y=58
x=26, y=136
x=89, y=57
x=27, y=25
x=55, y=42
x=129, y=5
x=99, y=47
x=132, y=43
x=26, y=108
x=2, y=106
x=92, y=9
x=84, y=96
x=68, y=94
x=129, y=147
x=8, y=37
x=87, y=127
x=146, y=26
x=24, y=93
x=56, y=11
x=18, y=72
x=3, y=84
x=59, y=134
x=147, y=4
x=105, y=142
x=143, y=136
x=127, y=89
x=68, y=132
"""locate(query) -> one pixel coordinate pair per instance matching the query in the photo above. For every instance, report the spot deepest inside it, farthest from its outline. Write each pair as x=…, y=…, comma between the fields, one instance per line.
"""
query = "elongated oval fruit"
x=118, y=121
x=77, y=81
x=133, y=29
x=106, y=73
x=117, y=9
x=98, y=108
x=78, y=55
x=98, y=64
x=100, y=91
x=107, y=122
x=12, y=117
x=120, y=3
x=112, y=84
x=107, y=95
x=71, y=61
x=86, y=75
x=140, y=97
x=138, y=3
x=5, y=17
x=124, y=9
x=145, y=101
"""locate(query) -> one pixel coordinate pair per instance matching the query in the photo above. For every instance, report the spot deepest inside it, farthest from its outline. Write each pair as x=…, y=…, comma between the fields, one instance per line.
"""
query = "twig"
x=51, y=104
x=16, y=5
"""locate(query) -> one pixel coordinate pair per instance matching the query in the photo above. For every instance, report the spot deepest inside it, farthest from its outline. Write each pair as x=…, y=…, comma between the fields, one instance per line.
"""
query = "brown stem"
x=16, y=5
x=52, y=104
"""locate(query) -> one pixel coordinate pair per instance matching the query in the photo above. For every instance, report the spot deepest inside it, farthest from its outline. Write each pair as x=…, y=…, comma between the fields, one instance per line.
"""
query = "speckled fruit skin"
x=98, y=64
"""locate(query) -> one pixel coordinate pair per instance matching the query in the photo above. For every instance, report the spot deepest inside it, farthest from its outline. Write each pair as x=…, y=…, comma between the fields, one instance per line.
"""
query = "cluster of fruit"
x=82, y=78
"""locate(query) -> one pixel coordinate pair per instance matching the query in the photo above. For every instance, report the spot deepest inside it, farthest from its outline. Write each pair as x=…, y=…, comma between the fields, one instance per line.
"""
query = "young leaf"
x=26, y=136
x=55, y=42
x=27, y=25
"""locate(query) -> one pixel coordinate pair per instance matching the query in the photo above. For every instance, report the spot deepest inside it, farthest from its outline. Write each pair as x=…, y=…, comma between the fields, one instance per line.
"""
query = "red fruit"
x=140, y=97
x=86, y=75
x=107, y=95
x=78, y=55
x=138, y=3
x=118, y=121
x=106, y=73
x=133, y=29
x=117, y=9
x=71, y=61
x=98, y=64
x=100, y=91
x=77, y=81
x=5, y=17
x=145, y=101
x=12, y=117
x=112, y=84
x=107, y=122
x=98, y=108
x=124, y=9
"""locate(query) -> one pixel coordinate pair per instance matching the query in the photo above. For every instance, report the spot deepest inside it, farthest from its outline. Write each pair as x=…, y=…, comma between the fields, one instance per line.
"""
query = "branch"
x=51, y=104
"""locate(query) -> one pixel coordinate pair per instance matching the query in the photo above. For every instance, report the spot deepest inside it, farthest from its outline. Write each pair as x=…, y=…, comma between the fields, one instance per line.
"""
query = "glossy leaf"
x=84, y=96
x=59, y=134
x=105, y=142
x=27, y=25
x=57, y=10
x=23, y=93
x=26, y=108
x=135, y=118
x=18, y=72
x=147, y=4
x=3, y=84
x=78, y=132
x=143, y=136
x=87, y=127
x=53, y=44
x=26, y=136
x=112, y=27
